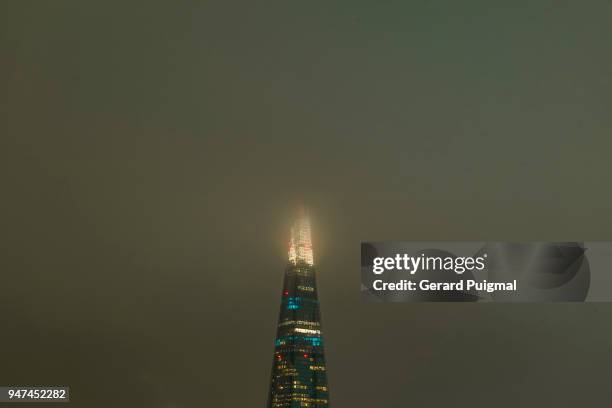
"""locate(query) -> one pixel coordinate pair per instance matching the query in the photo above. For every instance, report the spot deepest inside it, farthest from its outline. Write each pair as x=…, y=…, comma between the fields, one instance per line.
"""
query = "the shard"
x=299, y=373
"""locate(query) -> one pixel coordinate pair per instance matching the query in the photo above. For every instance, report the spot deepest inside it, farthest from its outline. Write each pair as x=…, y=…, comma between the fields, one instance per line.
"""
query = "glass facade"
x=299, y=375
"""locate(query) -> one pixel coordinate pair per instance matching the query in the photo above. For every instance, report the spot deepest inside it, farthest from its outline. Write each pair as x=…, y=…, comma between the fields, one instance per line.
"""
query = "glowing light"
x=307, y=331
x=315, y=341
x=293, y=303
x=300, y=243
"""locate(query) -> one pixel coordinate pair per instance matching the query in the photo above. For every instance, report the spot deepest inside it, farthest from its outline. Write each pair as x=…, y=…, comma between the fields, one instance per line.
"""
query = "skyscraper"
x=299, y=375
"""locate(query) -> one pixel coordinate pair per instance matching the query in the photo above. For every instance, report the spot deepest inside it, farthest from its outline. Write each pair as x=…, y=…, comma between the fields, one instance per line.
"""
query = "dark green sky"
x=152, y=156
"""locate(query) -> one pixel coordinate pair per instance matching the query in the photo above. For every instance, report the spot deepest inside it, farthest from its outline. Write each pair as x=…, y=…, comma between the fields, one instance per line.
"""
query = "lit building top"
x=300, y=244
x=299, y=373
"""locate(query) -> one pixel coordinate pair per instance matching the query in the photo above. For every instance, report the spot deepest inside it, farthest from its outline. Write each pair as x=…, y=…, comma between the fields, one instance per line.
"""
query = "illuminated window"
x=293, y=303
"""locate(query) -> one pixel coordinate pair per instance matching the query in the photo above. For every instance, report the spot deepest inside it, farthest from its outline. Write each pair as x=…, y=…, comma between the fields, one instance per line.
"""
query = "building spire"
x=300, y=243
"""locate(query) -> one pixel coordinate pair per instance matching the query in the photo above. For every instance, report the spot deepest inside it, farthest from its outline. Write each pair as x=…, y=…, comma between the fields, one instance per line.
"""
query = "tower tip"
x=301, y=210
x=300, y=244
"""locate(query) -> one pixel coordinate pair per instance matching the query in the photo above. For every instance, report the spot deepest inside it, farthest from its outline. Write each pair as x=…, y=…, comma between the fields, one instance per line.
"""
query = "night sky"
x=152, y=157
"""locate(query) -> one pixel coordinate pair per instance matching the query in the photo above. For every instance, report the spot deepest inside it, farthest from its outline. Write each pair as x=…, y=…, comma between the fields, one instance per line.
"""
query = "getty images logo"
x=405, y=262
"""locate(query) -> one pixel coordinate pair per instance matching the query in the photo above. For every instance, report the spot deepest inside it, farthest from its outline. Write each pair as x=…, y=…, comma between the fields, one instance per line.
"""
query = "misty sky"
x=153, y=155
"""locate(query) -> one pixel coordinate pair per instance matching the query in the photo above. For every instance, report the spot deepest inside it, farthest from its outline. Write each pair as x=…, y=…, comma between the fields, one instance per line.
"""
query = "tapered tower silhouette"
x=299, y=373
